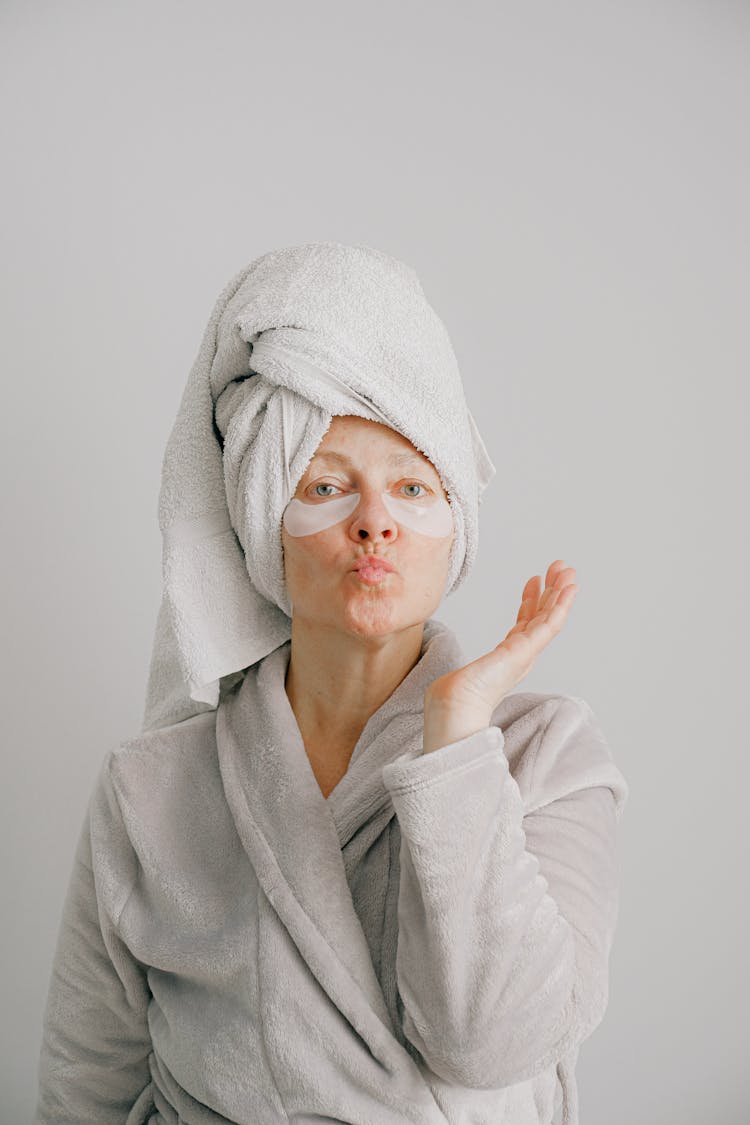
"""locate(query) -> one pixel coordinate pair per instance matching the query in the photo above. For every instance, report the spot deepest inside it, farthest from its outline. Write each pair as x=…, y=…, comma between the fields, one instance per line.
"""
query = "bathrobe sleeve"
x=506, y=910
x=93, y=1064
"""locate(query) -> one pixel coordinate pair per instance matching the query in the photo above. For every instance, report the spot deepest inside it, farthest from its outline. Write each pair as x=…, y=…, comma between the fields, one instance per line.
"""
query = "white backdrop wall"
x=570, y=182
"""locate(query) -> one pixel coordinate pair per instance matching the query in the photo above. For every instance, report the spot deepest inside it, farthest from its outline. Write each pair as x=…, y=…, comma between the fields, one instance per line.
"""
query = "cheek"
x=306, y=553
x=424, y=556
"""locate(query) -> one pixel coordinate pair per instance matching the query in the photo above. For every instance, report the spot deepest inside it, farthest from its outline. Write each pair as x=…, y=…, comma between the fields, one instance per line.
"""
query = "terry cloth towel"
x=429, y=944
x=302, y=334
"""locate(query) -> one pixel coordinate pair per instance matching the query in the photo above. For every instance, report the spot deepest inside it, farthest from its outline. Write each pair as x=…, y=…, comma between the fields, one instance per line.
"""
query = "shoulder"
x=555, y=746
x=165, y=755
x=162, y=839
x=159, y=778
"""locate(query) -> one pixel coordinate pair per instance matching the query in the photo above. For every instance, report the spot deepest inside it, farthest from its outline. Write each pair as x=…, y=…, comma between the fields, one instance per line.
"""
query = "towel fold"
x=302, y=334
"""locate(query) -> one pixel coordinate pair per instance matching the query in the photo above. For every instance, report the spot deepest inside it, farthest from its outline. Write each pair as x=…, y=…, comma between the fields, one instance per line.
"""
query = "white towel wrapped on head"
x=302, y=334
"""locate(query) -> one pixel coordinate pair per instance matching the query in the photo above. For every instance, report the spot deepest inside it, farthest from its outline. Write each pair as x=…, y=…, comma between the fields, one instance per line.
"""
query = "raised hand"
x=462, y=702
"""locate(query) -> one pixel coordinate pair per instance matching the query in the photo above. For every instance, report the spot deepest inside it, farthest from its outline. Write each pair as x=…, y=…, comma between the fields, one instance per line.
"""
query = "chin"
x=373, y=616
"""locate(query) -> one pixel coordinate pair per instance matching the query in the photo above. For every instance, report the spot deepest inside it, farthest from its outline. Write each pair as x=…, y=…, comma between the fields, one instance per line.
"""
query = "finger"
x=529, y=600
x=552, y=572
x=532, y=605
x=551, y=594
x=550, y=579
x=554, y=616
x=562, y=599
x=532, y=587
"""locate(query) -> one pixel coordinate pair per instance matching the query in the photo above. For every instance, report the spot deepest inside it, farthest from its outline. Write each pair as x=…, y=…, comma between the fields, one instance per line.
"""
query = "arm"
x=506, y=920
x=93, y=1063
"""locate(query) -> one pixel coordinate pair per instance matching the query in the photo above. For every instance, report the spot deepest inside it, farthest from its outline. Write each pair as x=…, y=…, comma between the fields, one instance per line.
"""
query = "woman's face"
x=361, y=456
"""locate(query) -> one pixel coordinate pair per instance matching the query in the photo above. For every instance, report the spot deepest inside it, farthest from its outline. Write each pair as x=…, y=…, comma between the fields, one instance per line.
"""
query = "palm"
x=482, y=684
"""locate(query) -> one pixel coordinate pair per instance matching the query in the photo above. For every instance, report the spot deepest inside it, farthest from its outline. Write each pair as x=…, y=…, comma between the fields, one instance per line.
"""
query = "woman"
x=342, y=874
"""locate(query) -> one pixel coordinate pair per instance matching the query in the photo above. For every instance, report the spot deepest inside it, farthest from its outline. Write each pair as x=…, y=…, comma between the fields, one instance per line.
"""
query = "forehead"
x=356, y=443
x=349, y=436
x=397, y=459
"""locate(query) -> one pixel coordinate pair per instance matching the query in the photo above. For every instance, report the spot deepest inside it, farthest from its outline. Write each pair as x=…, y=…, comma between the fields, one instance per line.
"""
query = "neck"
x=336, y=681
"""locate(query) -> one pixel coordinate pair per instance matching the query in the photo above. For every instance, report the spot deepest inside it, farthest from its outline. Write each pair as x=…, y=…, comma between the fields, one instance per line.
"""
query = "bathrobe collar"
x=295, y=836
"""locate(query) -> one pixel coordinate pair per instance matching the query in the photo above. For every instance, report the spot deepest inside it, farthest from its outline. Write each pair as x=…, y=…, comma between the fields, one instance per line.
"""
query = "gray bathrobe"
x=429, y=944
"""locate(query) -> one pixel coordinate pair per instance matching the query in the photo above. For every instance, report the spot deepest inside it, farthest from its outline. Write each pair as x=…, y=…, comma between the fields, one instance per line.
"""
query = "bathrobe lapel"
x=294, y=836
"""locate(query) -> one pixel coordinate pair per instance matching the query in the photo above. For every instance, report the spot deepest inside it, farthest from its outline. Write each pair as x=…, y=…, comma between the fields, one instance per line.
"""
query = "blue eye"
x=409, y=484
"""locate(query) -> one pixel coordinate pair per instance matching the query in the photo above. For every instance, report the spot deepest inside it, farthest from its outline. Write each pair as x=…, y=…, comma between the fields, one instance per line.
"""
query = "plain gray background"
x=571, y=183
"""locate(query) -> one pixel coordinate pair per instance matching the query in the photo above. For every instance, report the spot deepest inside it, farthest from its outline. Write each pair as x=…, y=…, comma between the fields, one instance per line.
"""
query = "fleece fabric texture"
x=429, y=944
x=302, y=334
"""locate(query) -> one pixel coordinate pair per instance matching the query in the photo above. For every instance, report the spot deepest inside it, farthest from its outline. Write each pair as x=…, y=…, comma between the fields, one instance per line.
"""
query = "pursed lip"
x=373, y=561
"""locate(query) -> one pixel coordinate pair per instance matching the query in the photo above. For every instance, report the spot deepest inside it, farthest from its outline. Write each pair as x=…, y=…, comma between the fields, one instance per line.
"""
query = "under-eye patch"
x=434, y=519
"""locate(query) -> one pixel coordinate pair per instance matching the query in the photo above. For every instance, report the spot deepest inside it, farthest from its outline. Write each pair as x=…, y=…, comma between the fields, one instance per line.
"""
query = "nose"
x=372, y=520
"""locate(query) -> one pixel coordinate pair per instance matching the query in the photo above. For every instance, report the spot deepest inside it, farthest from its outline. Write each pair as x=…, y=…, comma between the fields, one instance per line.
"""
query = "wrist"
x=444, y=724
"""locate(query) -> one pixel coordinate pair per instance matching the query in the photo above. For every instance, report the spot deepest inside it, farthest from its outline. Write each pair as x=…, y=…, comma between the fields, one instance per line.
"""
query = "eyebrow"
x=394, y=459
